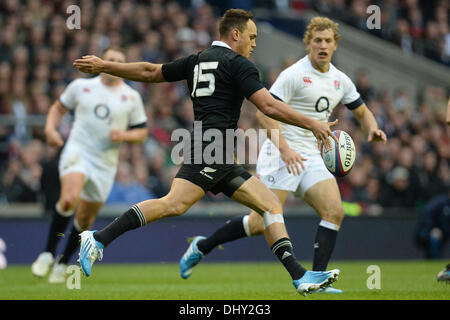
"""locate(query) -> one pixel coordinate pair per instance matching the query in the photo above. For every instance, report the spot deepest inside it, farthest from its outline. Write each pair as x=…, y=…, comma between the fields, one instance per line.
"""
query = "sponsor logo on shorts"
x=207, y=170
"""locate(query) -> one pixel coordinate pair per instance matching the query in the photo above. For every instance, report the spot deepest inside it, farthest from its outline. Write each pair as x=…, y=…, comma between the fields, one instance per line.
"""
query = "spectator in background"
x=398, y=191
x=36, y=51
x=431, y=183
x=364, y=87
x=433, y=228
x=50, y=183
x=126, y=189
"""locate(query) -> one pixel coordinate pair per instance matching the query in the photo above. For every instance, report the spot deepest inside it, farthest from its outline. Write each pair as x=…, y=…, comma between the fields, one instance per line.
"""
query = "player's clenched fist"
x=89, y=64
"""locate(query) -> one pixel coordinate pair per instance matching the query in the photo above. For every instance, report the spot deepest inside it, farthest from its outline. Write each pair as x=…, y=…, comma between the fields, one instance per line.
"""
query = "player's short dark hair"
x=234, y=18
x=113, y=48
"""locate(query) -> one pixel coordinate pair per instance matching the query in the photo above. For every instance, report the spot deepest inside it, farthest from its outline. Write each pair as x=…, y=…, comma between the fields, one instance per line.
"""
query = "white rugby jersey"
x=98, y=109
x=314, y=94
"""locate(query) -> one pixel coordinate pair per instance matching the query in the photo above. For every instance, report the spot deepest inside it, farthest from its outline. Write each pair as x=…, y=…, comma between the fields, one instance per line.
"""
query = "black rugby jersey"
x=218, y=80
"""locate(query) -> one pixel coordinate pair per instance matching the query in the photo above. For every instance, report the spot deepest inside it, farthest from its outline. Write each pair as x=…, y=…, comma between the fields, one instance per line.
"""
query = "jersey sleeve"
x=285, y=85
x=138, y=118
x=69, y=97
x=352, y=99
x=246, y=76
x=177, y=70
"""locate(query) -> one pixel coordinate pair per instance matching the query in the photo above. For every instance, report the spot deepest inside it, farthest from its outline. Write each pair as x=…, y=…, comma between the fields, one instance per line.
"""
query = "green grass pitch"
x=399, y=280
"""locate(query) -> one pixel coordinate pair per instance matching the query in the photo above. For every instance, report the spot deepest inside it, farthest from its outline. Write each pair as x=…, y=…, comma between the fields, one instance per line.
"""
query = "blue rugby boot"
x=191, y=258
x=315, y=280
x=329, y=289
x=90, y=250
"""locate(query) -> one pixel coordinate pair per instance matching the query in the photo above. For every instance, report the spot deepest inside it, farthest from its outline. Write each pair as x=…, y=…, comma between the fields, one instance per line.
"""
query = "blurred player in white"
x=106, y=112
x=312, y=86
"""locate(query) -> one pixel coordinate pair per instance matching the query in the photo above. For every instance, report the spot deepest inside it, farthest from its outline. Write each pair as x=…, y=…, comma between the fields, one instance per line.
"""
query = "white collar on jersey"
x=314, y=69
x=220, y=44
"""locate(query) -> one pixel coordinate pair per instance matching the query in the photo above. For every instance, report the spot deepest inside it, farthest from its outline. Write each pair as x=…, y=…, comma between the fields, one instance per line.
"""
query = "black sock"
x=232, y=230
x=130, y=220
x=58, y=226
x=71, y=246
x=284, y=251
x=323, y=247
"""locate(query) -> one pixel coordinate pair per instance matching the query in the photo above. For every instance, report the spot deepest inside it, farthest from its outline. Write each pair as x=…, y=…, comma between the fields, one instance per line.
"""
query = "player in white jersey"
x=106, y=112
x=314, y=87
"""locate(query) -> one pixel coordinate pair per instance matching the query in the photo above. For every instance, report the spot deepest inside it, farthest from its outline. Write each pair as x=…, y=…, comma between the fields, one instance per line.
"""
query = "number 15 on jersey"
x=201, y=76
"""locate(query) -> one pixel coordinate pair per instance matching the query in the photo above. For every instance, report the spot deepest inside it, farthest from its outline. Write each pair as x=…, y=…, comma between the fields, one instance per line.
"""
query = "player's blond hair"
x=320, y=24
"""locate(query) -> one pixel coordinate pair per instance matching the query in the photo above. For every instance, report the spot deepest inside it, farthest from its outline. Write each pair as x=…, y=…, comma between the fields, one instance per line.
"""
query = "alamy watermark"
x=73, y=280
x=374, y=280
x=74, y=20
x=214, y=146
x=374, y=20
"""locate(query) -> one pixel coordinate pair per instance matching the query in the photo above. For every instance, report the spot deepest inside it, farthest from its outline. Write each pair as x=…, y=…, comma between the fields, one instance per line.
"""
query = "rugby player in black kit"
x=218, y=78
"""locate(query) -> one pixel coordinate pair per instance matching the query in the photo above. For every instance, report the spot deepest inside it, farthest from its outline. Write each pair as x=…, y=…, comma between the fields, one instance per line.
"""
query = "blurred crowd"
x=36, y=55
x=417, y=26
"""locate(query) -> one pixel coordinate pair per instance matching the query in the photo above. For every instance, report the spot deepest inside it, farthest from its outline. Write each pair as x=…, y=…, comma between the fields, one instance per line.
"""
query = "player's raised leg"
x=182, y=195
x=254, y=194
x=85, y=216
x=234, y=229
x=239, y=227
x=71, y=185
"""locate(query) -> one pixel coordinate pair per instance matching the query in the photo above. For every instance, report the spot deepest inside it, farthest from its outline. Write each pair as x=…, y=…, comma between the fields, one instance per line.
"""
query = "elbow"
x=146, y=76
x=143, y=136
x=147, y=73
x=141, y=139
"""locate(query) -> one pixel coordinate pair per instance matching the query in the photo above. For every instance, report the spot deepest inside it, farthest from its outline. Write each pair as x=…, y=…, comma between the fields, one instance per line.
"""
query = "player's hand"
x=377, y=136
x=292, y=160
x=89, y=64
x=322, y=131
x=53, y=138
x=116, y=135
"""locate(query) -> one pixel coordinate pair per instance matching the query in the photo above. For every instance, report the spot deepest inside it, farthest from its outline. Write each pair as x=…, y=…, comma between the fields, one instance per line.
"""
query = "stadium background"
x=401, y=71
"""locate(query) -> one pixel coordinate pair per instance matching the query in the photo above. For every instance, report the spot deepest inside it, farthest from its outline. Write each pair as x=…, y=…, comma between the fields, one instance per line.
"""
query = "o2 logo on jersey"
x=101, y=111
x=322, y=104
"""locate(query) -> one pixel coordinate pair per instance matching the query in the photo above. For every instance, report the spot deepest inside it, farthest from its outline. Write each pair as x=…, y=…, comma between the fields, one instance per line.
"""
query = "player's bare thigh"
x=182, y=195
x=256, y=222
x=71, y=185
x=86, y=213
x=325, y=198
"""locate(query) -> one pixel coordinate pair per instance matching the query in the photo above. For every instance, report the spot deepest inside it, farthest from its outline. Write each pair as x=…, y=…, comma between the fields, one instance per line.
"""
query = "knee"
x=334, y=215
x=174, y=208
x=67, y=202
x=255, y=224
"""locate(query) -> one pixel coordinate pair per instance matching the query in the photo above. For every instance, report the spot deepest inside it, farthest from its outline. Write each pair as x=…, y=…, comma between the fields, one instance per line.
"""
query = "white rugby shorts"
x=272, y=171
x=99, y=179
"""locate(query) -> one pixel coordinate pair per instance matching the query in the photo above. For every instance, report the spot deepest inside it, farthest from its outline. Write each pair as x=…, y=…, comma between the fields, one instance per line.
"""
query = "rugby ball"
x=340, y=158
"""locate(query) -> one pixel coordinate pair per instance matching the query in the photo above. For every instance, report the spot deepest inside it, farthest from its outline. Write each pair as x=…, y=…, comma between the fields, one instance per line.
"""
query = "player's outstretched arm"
x=135, y=71
x=369, y=124
x=280, y=111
